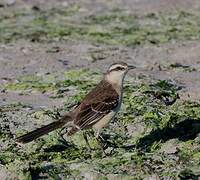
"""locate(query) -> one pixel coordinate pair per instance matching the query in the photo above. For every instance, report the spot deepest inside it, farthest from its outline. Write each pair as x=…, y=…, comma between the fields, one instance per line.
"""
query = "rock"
x=135, y=129
x=152, y=177
x=6, y=175
x=170, y=147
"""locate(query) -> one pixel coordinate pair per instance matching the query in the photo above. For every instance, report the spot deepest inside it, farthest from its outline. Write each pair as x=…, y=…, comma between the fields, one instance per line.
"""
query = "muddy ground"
x=43, y=43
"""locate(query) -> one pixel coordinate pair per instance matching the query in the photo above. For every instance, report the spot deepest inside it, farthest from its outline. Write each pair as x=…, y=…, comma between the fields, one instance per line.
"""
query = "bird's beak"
x=131, y=67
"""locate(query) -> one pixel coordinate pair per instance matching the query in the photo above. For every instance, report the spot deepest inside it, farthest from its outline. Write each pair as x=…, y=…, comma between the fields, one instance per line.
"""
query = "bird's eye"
x=119, y=68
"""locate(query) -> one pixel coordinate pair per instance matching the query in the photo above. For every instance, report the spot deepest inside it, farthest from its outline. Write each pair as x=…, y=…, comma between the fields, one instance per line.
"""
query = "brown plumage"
x=93, y=107
x=95, y=111
x=43, y=130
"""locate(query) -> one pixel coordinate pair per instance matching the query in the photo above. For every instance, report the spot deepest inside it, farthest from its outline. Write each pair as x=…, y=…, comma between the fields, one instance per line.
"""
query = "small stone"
x=152, y=177
x=5, y=174
x=135, y=129
x=10, y=2
x=26, y=50
x=169, y=147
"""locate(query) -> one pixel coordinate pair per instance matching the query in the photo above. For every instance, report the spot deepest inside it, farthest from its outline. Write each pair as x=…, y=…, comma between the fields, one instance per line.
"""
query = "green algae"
x=128, y=155
x=50, y=83
x=115, y=27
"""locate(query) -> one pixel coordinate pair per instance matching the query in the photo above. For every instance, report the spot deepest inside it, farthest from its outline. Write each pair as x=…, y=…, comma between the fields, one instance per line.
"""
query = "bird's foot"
x=102, y=145
x=62, y=140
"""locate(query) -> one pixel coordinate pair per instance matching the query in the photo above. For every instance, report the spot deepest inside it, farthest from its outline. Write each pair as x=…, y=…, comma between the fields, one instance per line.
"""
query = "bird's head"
x=117, y=72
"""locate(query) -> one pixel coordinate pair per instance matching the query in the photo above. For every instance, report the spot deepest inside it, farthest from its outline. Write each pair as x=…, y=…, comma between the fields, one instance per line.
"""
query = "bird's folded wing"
x=99, y=102
x=91, y=113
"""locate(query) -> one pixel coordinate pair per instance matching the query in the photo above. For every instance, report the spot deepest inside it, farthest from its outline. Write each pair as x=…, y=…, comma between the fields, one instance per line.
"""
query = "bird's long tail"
x=43, y=130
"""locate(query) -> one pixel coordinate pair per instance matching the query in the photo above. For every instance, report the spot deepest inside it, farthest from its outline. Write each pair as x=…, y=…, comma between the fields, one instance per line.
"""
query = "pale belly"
x=107, y=118
x=104, y=121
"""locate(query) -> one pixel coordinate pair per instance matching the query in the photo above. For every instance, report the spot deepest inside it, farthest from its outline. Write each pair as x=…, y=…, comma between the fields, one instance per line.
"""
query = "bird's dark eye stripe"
x=119, y=68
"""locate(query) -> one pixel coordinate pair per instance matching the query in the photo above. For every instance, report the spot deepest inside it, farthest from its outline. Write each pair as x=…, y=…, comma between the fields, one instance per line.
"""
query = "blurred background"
x=162, y=36
x=53, y=52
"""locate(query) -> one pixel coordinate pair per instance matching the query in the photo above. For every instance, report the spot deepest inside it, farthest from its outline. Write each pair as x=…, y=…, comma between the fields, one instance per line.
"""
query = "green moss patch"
x=115, y=27
x=149, y=136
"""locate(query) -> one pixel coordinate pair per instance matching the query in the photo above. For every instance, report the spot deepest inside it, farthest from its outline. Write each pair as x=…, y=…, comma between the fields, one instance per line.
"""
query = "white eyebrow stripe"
x=115, y=66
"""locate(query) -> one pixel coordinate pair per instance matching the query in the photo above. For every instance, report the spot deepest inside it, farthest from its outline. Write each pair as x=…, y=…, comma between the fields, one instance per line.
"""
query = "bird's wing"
x=96, y=105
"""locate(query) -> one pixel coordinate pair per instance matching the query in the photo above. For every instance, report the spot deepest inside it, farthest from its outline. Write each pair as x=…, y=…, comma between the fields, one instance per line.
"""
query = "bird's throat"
x=117, y=83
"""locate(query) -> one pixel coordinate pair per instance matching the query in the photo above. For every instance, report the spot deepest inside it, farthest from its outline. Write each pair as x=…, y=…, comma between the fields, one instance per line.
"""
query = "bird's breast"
x=105, y=120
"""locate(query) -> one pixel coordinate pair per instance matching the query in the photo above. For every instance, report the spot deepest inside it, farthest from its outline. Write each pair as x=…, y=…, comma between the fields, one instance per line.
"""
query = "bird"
x=95, y=111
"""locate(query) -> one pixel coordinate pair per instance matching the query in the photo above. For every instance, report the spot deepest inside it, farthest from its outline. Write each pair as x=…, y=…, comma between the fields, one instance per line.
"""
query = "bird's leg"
x=61, y=133
x=101, y=146
x=100, y=141
x=86, y=140
x=100, y=138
